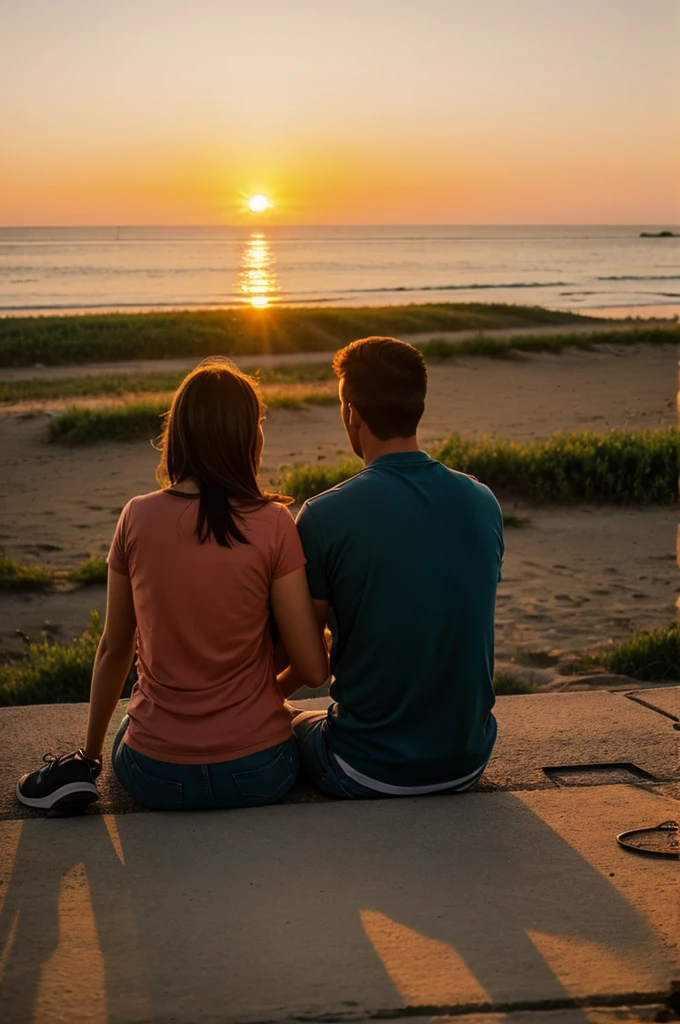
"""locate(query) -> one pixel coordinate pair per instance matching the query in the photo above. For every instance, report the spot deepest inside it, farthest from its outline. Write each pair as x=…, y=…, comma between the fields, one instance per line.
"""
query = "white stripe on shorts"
x=467, y=782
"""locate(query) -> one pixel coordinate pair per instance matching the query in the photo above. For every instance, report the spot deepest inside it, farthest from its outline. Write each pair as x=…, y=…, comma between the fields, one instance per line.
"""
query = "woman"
x=195, y=570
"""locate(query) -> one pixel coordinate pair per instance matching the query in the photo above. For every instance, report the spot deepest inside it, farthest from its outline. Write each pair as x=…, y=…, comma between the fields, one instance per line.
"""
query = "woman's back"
x=206, y=688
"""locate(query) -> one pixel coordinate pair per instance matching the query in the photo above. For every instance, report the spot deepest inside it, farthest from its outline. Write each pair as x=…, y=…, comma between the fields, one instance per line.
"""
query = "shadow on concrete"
x=295, y=911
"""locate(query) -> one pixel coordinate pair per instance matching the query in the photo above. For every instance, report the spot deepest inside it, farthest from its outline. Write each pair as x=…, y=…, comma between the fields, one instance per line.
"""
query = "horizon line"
x=495, y=224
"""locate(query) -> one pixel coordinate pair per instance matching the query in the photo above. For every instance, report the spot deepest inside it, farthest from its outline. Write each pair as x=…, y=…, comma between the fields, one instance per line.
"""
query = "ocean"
x=605, y=270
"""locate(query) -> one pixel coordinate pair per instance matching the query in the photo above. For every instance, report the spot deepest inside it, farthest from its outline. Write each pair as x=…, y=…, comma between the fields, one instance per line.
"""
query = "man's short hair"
x=386, y=380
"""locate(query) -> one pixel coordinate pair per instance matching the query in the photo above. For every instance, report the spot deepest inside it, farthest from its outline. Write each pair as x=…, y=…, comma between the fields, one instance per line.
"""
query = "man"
x=403, y=561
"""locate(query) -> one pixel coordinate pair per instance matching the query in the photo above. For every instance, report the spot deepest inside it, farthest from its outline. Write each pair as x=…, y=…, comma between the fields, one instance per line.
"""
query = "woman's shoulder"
x=273, y=514
x=145, y=504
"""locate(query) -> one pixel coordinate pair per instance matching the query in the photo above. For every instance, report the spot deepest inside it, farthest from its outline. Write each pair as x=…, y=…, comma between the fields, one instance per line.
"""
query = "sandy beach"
x=574, y=576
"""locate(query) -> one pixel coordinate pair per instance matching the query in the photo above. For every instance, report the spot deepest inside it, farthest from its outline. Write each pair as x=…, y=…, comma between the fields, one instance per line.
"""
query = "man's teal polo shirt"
x=408, y=553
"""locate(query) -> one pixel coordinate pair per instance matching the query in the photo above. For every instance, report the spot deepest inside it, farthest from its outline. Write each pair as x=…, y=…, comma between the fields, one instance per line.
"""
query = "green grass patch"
x=142, y=420
x=52, y=673
x=516, y=522
x=94, y=570
x=513, y=348
x=619, y=467
x=650, y=655
x=116, y=423
x=14, y=576
x=309, y=479
x=56, y=340
x=295, y=396
x=118, y=385
x=506, y=684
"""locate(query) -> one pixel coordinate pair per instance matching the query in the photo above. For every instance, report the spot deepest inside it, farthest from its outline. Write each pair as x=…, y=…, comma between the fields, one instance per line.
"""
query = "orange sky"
x=533, y=111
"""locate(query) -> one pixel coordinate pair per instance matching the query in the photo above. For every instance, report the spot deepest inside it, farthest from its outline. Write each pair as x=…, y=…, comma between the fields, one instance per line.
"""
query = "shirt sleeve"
x=118, y=553
x=288, y=553
x=310, y=536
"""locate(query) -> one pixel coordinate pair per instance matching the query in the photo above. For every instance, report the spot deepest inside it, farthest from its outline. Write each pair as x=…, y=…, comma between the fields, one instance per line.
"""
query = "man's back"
x=408, y=553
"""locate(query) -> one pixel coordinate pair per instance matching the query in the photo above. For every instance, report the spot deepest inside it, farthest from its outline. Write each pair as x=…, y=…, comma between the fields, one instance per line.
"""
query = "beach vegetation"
x=515, y=521
x=507, y=684
x=109, y=423
x=515, y=347
x=118, y=385
x=53, y=673
x=134, y=421
x=107, y=337
x=619, y=467
x=15, y=576
x=93, y=570
x=650, y=655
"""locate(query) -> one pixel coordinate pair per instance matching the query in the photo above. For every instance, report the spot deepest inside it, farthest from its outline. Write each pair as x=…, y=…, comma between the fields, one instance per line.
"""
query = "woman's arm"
x=112, y=662
x=300, y=633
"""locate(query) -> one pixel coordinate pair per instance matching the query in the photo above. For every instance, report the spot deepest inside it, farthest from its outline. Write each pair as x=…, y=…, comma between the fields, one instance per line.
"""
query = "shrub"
x=117, y=385
x=142, y=420
x=619, y=467
x=515, y=521
x=113, y=423
x=653, y=656
x=512, y=348
x=506, y=684
x=94, y=570
x=14, y=576
x=307, y=480
x=52, y=673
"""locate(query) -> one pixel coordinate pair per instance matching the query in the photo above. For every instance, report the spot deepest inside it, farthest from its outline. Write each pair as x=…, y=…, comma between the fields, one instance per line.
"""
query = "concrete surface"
x=599, y=1015
x=341, y=909
x=511, y=904
x=534, y=732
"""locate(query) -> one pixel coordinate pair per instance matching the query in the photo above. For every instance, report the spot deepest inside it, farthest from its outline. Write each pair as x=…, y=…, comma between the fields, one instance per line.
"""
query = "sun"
x=258, y=203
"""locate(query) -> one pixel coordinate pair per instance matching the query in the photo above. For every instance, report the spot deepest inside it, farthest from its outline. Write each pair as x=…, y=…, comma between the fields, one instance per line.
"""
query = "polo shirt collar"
x=400, y=459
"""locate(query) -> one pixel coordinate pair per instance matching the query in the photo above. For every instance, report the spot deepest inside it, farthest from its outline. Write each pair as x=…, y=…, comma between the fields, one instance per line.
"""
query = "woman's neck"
x=187, y=486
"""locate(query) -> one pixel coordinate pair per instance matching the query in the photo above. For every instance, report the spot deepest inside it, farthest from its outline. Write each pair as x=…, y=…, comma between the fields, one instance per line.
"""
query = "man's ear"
x=355, y=419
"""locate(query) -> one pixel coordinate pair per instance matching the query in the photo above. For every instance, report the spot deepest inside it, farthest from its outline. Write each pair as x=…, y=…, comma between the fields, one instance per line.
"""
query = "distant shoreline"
x=642, y=311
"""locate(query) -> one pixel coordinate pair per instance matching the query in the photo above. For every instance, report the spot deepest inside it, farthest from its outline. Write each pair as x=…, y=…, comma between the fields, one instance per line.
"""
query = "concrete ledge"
x=535, y=732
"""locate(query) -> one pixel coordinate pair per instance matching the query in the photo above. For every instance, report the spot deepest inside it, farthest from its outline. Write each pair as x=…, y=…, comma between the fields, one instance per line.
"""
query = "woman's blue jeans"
x=260, y=778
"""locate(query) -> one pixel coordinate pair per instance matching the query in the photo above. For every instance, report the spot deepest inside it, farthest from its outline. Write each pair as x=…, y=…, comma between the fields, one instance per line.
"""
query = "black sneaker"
x=65, y=783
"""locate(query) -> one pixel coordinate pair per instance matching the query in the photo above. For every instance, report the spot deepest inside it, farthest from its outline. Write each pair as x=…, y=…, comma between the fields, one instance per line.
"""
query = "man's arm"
x=289, y=682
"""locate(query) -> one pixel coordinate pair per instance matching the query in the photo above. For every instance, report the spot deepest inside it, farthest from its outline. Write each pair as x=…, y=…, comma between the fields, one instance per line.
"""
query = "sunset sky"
x=355, y=112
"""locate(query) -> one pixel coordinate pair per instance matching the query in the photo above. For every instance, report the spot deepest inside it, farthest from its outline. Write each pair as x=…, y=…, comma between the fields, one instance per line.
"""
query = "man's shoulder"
x=341, y=496
x=470, y=484
x=454, y=483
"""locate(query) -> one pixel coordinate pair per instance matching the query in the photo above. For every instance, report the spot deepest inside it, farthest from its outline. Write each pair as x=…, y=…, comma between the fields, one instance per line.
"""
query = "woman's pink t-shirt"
x=206, y=688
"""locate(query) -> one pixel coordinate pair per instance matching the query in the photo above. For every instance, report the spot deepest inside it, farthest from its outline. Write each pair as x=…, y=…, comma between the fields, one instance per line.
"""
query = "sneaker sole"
x=72, y=794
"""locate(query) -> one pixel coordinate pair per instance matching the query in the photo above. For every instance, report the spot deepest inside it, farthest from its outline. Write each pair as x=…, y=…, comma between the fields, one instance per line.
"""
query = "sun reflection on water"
x=257, y=281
